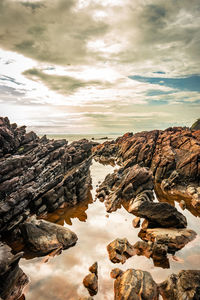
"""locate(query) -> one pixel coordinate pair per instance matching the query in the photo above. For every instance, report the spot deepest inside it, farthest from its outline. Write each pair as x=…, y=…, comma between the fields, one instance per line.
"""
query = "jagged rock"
x=134, y=284
x=37, y=175
x=120, y=250
x=158, y=214
x=43, y=237
x=172, y=155
x=125, y=184
x=91, y=280
x=12, y=278
x=174, y=239
x=184, y=285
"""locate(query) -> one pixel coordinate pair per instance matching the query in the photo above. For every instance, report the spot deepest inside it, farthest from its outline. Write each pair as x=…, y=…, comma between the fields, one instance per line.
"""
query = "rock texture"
x=120, y=250
x=12, y=278
x=134, y=285
x=37, y=175
x=91, y=280
x=133, y=186
x=43, y=237
x=174, y=239
x=172, y=155
x=184, y=285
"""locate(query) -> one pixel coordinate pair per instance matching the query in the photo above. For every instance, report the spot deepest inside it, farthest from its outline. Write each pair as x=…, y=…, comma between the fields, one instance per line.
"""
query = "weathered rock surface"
x=91, y=280
x=12, y=278
x=43, y=237
x=37, y=175
x=184, y=285
x=125, y=184
x=158, y=214
x=120, y=250
x=134, y=285
x=134, y=187
x=174, y=239
x=172, y=155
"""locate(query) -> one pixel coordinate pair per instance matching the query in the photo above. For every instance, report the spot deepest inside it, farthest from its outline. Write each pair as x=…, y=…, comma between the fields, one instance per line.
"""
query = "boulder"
x=134, y=285
x=42, y=237
x=91, y=280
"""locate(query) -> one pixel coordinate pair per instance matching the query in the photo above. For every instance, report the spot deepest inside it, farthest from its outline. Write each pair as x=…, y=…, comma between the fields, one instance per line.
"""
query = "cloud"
x=60, y=84
x=52, y=30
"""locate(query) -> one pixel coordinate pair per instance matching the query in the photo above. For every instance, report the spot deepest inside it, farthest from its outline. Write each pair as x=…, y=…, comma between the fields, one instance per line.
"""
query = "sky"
x=99, y=66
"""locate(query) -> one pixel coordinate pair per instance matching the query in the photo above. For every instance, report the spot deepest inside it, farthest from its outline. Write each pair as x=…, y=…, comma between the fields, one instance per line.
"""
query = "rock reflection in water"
x=62, y=276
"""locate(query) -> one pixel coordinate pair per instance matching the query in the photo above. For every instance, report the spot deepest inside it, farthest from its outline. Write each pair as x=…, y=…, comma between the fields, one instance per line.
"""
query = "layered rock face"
x=172, y=155
x=37, y=175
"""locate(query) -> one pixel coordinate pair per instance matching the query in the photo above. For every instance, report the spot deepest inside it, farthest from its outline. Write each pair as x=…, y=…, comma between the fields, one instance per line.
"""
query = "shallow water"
x=61, y=277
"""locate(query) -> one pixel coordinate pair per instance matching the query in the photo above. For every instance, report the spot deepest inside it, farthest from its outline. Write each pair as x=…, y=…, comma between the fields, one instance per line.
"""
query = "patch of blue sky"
x=191, y=83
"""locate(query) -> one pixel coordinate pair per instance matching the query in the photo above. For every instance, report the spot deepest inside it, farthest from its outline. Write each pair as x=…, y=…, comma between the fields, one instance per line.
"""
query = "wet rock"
x=158, y=214
x=172, y=155
x=91, y=280
x=125, y=184
x=12, y=278
x=184, y=285
x=174, y=239
x=43, y=237
x=135, y=285
x=37, y=175
x=120, y=250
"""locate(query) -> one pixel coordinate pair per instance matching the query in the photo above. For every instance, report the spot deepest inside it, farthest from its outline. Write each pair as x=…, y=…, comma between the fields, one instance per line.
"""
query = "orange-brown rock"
x=91, y=280
x=134, y=285
x=172, y=155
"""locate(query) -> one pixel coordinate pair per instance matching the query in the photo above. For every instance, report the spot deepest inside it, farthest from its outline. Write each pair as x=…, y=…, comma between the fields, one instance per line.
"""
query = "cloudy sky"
x=99, y=66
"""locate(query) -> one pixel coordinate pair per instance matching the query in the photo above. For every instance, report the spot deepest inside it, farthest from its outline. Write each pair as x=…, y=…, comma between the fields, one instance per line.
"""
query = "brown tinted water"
x=61, y=278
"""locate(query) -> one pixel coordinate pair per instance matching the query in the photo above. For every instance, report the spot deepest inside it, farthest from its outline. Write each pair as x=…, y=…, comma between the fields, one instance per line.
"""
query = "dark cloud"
x=52, y=30
x=60, y=84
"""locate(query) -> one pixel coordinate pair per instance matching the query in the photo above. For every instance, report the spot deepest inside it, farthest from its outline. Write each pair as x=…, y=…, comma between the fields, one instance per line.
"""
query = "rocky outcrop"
x=196, y=125
x=133, y=186
x=184, y=285
x=42, y=237
x=172, y=155
x=91, y=280
x=134, y=284
x=124, y=185
x=12, y=278
x=37, y=175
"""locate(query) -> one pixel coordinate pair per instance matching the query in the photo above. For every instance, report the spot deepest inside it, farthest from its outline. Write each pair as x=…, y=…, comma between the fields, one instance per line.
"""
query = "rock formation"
x=134, y=284
x=172, y=155
x=184, y=285
x=37, y=175
x=91, y=280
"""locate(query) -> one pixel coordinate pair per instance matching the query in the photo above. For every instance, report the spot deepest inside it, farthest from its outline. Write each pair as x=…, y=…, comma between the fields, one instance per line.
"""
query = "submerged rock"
x=134, y=285
x=91, y=280
x=184, y=285
x=12, y=278
x=174, y=239
x=43, y=237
